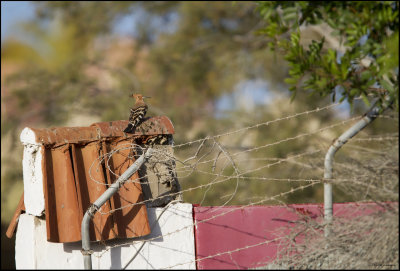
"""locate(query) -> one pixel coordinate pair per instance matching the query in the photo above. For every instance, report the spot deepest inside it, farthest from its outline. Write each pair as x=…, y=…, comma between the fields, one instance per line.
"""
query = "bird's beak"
x=146, y=97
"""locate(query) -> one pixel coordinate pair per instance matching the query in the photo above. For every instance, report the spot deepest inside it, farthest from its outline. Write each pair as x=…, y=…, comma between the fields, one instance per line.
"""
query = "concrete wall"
x=171, y=245
x=222, y=238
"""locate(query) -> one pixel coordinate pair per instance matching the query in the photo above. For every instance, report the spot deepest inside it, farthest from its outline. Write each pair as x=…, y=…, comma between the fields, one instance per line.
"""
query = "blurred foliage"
x=71, y=65
x=369, y=32
x=90, y=18
x=212, y=48
x=75, y=66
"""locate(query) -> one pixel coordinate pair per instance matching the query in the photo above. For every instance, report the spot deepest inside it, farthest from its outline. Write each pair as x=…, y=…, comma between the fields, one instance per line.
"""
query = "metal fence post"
x=371, y=115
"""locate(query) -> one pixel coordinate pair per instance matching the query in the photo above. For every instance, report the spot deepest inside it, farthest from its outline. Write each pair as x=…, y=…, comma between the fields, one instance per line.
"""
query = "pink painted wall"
x=222, y=229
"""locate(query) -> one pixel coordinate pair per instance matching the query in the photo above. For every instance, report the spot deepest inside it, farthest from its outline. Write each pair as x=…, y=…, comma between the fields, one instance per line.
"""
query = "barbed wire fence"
x=248, y=176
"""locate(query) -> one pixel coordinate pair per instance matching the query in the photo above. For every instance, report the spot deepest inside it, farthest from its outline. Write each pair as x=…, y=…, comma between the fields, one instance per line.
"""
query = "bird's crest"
x=138, y=97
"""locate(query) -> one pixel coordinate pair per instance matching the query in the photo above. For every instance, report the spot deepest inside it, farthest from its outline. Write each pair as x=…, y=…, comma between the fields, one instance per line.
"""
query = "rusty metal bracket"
x=86, y=252
x=92, y=210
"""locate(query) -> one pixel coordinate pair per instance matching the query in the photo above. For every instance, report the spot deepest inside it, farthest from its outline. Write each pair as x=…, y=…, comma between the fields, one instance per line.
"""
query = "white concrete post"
x=32, y=173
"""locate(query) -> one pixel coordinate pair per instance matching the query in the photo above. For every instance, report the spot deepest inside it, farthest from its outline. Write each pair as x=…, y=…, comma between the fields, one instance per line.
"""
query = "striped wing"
x=137, y=114
x=156, y=140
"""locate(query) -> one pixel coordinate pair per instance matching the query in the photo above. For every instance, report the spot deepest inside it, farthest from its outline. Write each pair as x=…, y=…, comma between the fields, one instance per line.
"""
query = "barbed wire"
x=195, y=223
x=226, y=252
x=289, y=138
x=193, y=166
x=260, y=124
x=226, y=178
x=212, y=159
x=376, y=138
x=205, y=185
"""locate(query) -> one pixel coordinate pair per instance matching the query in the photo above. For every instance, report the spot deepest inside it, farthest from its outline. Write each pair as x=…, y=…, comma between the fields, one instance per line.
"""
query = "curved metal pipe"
x=87, y=259
x=337, y=144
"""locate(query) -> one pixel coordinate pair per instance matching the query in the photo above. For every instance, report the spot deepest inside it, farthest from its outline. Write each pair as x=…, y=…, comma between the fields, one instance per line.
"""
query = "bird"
x=137, y=113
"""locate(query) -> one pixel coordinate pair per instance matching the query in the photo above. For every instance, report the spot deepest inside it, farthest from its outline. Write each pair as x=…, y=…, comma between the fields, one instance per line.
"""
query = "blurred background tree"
x=207, y=66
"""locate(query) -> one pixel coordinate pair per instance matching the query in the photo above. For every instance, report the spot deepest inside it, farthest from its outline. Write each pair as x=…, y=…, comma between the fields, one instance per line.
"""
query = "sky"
x=12, y=13
x=15, y=12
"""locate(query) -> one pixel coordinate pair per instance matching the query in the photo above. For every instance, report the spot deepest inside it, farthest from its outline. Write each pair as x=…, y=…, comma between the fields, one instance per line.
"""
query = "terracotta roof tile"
x=68, y=155
x=14, y=221
x=101, y=130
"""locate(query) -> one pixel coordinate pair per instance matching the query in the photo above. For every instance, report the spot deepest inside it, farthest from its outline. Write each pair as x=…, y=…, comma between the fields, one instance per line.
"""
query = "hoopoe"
x=137, y=112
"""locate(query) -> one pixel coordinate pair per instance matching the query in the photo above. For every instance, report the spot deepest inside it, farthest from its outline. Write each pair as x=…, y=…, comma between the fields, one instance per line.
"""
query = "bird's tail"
x=129, y=128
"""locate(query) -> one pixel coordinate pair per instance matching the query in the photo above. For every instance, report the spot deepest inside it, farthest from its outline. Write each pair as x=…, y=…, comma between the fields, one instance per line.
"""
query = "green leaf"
x=344, y=71
x=366, y=75
x=354, y=92
x=386, y=85
x=290, y=81
x=289, y=16
x=294, y=38
x=293, y=96
x=365, y=99
x=334, y=69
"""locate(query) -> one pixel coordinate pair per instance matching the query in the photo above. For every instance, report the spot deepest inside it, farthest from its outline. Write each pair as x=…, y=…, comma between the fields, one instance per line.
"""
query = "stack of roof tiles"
x=63, y=168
